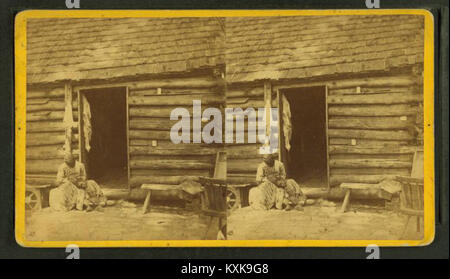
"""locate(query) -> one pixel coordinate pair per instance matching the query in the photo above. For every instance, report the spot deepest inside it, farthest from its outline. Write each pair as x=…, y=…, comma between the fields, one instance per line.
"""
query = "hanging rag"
x=87, y=128
x=287, y=125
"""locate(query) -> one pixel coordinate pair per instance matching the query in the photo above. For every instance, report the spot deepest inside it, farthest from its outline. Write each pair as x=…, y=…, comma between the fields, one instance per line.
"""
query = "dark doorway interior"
x=107, y=161
x=306, y=161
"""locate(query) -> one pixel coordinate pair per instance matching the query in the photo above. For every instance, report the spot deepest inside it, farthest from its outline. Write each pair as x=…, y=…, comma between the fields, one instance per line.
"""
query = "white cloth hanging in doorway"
x=287, y=125
x=87, y=128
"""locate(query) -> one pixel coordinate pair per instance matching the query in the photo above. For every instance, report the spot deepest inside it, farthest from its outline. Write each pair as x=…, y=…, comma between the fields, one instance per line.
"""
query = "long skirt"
x=293, y=192
x=265, y=196
x=67, y=196
x=94, y=194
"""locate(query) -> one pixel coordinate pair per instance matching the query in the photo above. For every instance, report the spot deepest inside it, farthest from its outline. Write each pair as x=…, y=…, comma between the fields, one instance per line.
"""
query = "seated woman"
x=273, y=187
x=74, y=191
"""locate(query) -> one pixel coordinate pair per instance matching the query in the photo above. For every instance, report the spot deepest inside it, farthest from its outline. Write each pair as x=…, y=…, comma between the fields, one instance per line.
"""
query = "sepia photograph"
x=349, y=94
x=231, y=128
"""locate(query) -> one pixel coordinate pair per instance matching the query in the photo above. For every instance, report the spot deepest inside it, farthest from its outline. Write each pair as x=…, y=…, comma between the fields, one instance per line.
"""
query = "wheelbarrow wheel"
x=232, y=198
x=32, y=200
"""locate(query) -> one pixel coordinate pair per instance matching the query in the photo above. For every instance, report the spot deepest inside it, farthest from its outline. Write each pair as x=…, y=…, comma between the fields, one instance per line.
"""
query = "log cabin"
x=348, y=88
x=103, y=89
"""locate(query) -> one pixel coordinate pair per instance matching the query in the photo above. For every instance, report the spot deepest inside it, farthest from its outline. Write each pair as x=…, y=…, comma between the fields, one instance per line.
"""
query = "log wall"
x=153, y=157
x=374, y=125
x=45, y=133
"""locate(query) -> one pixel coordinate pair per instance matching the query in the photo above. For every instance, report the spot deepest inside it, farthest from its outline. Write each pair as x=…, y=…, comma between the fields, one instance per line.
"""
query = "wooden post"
x=327, y=138
x=68, y=118
x=267, y=106
x=81, y=139
x=280, y=127
x=127, y=96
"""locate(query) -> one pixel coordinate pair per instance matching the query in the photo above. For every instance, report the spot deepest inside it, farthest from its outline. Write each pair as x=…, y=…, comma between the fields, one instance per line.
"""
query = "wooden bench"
x=155, y=187
x=348, y=190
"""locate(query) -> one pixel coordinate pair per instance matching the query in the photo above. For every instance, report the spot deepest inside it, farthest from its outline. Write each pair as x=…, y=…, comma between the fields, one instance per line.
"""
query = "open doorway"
x=103, y=135
x=304, y=143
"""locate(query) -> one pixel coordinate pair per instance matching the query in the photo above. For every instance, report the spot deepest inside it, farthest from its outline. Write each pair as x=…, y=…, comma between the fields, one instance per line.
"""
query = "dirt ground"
x=320, y=222
x=116, y=223
x=124, y=221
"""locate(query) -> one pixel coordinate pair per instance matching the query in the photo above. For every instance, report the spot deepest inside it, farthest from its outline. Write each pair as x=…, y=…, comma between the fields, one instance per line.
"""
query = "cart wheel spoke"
x=31, y=200
x=231, y=199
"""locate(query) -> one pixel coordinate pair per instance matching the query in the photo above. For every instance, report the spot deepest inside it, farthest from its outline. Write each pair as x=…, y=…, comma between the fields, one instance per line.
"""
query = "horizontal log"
x=198, y=158
x=338, y=179
x=47, y=126
x=249, y=179
x=370, y=171
x=380, y=81
x=338, y=193
x=251, y=103
x=399, y=157
x=172, y=91
x=40, y=101
x=188, y=150
x=245, y=92
x=370, y=134
x=162, y=124
x=46, y=93
x=50, y=105
x=243, y=151
x=42, y=180
x=159, y=124
x=401, y=98
x=174, y=180
x=373, y=81
x=177, y=100
x=49, y=166
x=48, y=152
x=170, y=164
x=373, y=90
x=45, y=152
x=167, y=144
x=169, y=172
x=372, y=110
x=368, y=163
x=195, y=82
x=149, y=134
x=159, y=112
x=242, y=165
x=240, y=100
x=377, y=123
x=366, y=142
x=343, y=149
x=38, y=139
x=153, y=135
x=48, y=115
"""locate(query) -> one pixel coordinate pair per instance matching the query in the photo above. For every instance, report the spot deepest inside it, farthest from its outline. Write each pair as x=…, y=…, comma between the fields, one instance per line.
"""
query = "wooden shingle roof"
x=308, y=46
x=101, y=48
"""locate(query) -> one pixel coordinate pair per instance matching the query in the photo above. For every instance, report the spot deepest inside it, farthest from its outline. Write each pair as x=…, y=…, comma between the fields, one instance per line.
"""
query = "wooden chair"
x=412, y=194
x=411, y=199
x=214, y=198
